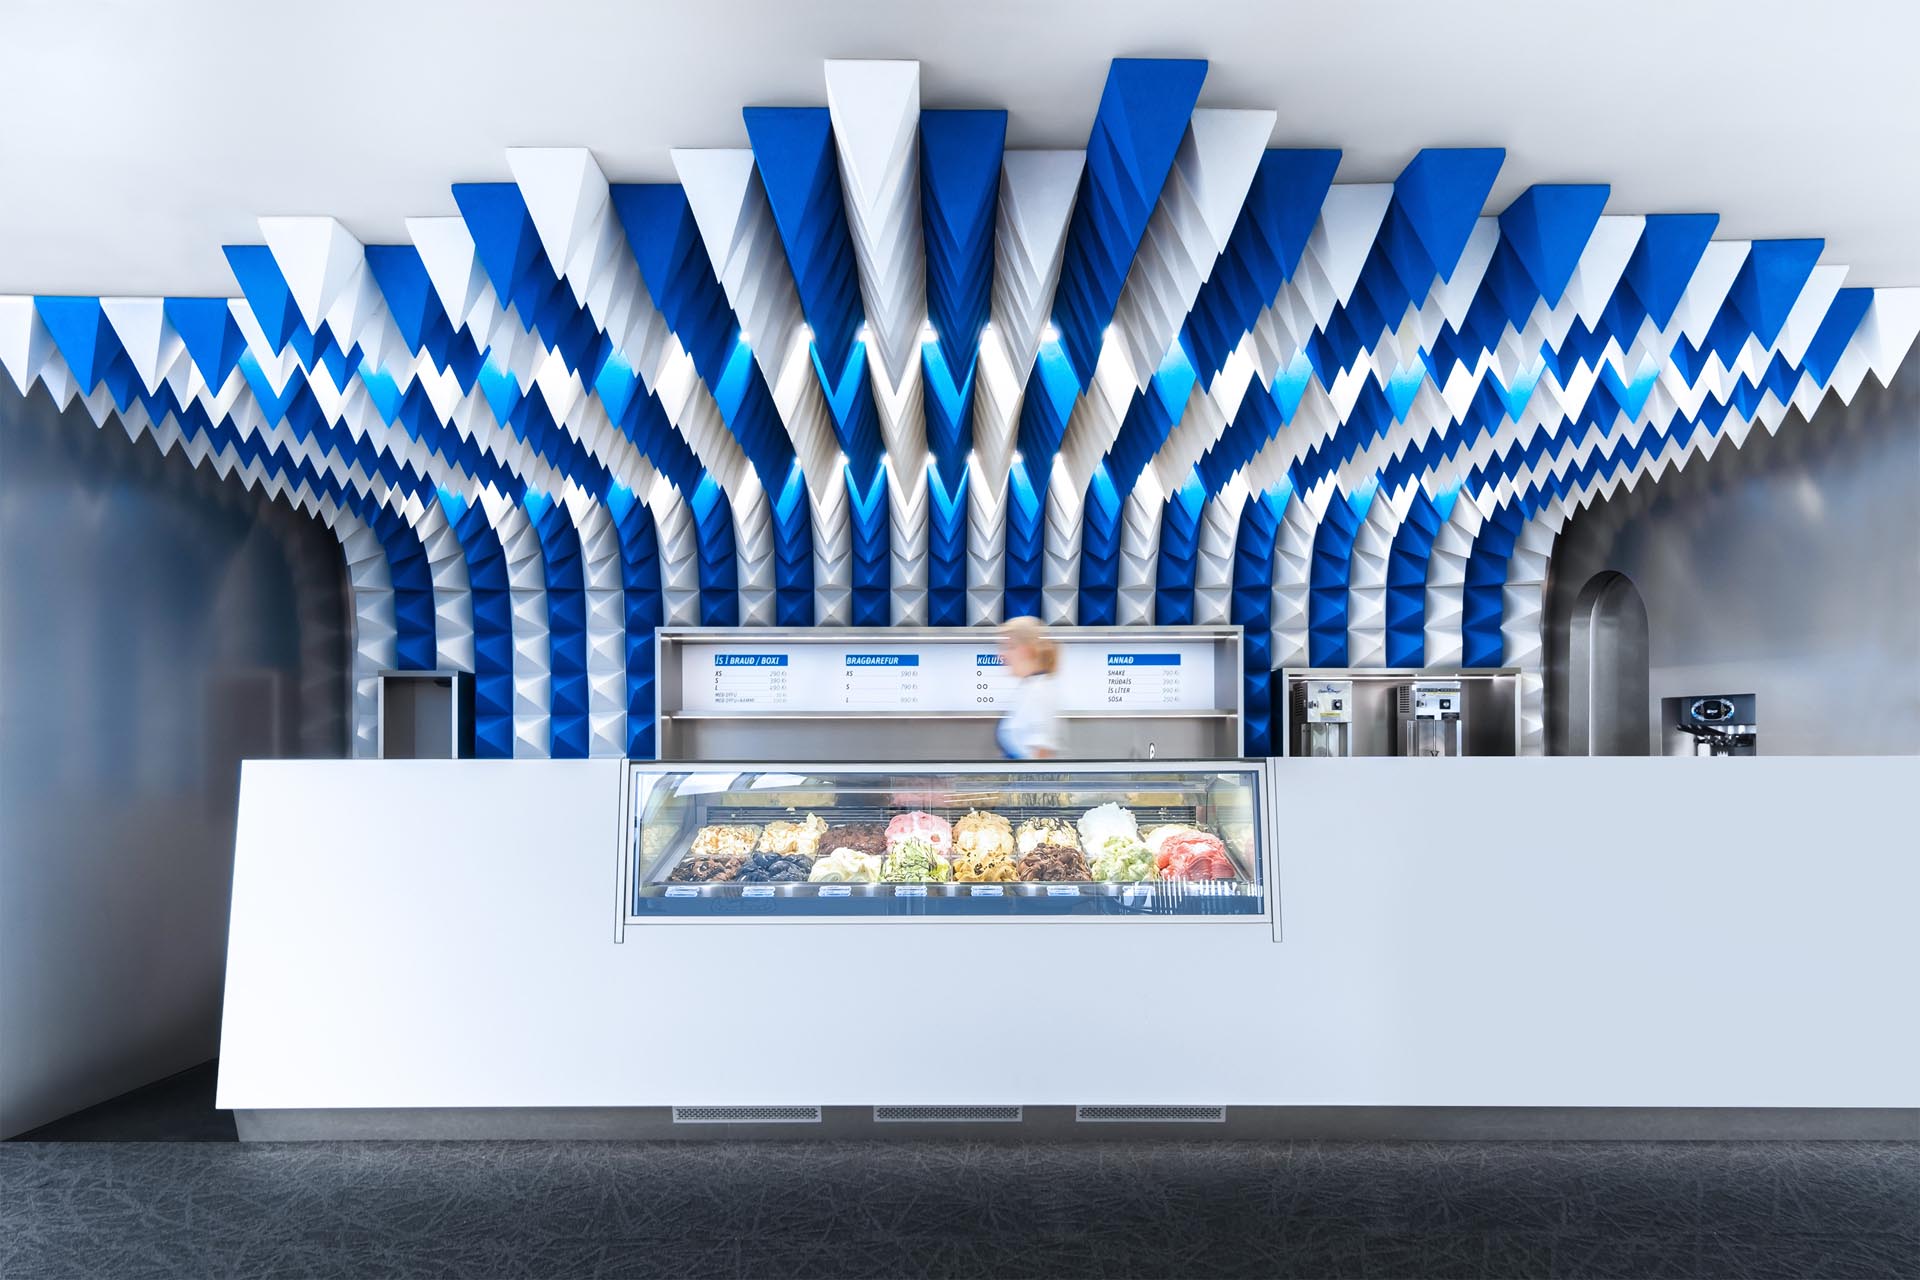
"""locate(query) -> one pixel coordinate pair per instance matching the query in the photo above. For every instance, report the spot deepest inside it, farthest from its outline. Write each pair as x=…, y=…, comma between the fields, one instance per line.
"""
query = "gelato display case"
x=1041, y=839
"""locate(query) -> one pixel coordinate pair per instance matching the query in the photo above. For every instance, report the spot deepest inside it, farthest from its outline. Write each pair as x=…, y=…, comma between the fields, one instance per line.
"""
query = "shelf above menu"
x=1118, y=713
x=754, y=674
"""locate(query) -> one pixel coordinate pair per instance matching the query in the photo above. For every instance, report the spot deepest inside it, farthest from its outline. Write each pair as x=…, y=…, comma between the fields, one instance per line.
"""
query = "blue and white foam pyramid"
x=878, y=369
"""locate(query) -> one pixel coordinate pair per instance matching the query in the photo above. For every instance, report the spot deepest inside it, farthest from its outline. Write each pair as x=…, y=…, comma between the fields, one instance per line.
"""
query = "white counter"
x=1474, y=933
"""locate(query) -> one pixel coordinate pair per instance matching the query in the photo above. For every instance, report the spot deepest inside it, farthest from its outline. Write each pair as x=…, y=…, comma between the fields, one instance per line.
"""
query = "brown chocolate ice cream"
x=861, y=837
x=697, y=868
x=1054, y=862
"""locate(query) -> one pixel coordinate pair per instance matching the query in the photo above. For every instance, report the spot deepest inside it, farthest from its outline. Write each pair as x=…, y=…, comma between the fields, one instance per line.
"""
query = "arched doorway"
x=1609, y=712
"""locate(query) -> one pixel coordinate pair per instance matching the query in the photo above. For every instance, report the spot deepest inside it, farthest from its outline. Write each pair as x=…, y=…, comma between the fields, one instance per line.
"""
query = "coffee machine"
x=1323, y=718
x=1430, y=715
x=1717, y=724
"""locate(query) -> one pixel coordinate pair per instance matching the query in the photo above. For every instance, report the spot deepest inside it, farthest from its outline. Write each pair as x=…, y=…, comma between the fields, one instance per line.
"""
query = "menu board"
x=750, y=679
x=992, y=683
x=878, y=681
x=1144, y=679
x=965, y=675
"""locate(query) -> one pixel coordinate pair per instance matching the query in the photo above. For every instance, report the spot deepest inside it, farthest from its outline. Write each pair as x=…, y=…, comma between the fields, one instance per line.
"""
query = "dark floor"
x=484, y=1209
x=177, y=1109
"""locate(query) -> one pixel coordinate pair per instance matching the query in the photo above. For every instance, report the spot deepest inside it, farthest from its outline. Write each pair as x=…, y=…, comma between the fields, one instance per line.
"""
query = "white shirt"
x=1032, y=723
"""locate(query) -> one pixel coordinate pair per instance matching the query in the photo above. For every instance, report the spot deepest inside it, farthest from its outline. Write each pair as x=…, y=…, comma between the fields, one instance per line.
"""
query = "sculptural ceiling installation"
x=879, y=369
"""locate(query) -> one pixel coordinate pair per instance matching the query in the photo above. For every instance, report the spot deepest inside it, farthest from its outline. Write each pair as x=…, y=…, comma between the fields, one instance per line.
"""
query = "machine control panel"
x=1436, y=701
x=1330, y=702
x=1719, y=709
x=1713, y=724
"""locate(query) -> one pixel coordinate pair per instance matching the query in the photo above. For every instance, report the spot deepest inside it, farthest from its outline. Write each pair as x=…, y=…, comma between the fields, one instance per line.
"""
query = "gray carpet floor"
x=840, y=1209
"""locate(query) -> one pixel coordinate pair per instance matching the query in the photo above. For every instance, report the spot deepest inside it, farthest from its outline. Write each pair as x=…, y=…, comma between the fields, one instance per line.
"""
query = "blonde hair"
x=1031, y=634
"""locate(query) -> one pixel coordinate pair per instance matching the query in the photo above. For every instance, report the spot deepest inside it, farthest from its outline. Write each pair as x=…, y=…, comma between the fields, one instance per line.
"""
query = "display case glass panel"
x=1137, y=840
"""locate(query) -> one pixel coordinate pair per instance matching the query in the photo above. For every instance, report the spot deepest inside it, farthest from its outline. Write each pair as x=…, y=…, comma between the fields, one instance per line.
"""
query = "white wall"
x=1481, y=932
x=1789, y=569
x=149, y=616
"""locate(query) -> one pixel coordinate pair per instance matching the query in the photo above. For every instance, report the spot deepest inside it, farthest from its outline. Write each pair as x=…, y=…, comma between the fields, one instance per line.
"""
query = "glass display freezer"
x=1133, y=840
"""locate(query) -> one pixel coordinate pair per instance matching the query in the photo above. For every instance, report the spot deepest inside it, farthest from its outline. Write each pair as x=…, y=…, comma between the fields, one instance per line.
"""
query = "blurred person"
x=1031, y=728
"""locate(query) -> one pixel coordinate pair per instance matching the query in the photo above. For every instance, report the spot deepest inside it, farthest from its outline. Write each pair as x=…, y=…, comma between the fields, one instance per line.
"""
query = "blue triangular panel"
x=1548, y=227
x=1770, y=282
x=959, y=182
x=1142, y=117
x=1663, y=262
x=1439, y=196
x=213, y=339
x=793, y=149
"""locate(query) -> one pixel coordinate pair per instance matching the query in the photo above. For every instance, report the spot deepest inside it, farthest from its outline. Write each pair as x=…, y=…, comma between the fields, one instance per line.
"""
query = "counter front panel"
x=1548, y=933
x=1135, y=840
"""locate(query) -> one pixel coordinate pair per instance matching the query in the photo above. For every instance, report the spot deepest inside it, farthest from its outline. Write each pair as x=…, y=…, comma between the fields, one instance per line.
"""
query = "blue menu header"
x=749, y=659
x=988, y=660
x=883, y=659
x=1143, y=659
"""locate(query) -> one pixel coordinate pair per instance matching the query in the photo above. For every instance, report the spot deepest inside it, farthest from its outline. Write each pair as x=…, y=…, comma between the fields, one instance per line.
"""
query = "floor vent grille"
x=946, y=1115
x=746, y=1115
x=1150, y=1115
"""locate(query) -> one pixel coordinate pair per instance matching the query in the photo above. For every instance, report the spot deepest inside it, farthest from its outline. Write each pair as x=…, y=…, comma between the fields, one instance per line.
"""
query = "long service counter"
x=1656, y=947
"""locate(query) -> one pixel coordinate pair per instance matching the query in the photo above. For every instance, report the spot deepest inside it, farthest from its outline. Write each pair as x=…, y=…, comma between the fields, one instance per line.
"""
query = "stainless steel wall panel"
x=157, y=624
x=1789, y=569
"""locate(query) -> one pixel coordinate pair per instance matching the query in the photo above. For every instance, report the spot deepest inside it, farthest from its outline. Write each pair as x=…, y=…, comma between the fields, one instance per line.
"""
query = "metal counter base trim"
x=629, y=1124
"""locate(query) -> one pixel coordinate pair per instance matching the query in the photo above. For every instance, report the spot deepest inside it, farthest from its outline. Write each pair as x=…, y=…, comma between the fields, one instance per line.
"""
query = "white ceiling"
x=139, y=137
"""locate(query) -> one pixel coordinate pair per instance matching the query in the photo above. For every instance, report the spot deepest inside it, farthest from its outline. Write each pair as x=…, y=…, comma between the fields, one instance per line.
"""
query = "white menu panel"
x=880, y=681
x=991, y=682
x=749, y=680
x=1144, y=679
x=964, y=675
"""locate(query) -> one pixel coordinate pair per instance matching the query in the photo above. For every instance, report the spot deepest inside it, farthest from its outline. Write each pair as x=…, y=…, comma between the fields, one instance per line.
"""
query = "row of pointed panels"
x=553, y=605
x=877, y=367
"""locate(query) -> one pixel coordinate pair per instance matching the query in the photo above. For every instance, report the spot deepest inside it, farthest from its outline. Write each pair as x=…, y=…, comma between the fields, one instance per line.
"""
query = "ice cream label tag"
x=835, y=891
x=1063, y=891
x=910, y=891
x=987, y=891
x=682, y=891
x=757, y=891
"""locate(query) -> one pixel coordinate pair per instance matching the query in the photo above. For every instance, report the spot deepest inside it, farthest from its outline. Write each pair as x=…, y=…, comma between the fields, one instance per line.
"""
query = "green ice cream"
x=913, y=861
x=1123, y=858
